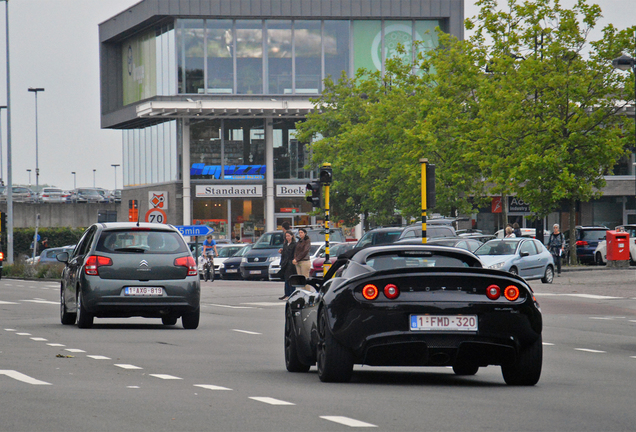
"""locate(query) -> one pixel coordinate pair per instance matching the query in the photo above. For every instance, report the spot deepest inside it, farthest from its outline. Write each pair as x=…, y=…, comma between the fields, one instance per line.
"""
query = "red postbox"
x=617, y=245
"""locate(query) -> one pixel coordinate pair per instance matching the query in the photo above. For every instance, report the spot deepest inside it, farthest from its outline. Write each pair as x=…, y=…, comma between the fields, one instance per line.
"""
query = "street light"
x=1, y=167
x=29, y=171
x=9, y=168
x=35, y=90
x=94, y=178
x=115, y=166
x=74, y=177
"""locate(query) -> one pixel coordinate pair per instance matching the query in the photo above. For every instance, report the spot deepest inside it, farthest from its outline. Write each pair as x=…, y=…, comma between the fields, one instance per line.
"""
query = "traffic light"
x=314, y=189
x=326, y=174
x=430, y=186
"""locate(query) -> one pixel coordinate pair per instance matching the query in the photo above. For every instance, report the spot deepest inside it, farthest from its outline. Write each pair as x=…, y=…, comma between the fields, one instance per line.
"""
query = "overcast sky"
x=54, y=45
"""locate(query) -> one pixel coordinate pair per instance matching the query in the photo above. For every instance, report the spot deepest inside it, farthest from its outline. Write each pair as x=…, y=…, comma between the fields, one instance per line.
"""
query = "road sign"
x=194, y=230
x=156, y=215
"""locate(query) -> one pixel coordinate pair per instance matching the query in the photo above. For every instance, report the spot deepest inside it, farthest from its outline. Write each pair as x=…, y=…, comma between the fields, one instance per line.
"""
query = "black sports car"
x=413, y=305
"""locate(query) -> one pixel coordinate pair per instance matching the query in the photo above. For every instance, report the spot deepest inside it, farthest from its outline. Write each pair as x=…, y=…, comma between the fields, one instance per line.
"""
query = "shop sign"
x=517, y=205
x=297, y=190
x=158, y=200
x=289, y=210
x=231, y=172
x=496, y=205
x=229, y=191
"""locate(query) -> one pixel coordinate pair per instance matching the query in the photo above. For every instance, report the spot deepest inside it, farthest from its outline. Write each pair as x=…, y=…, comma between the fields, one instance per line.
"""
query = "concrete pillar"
x=269, y=175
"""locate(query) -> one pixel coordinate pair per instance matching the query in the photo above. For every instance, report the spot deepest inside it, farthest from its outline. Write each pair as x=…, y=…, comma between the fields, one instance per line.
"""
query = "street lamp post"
x=35, y=90
x=94, y=178
x=9, y=168
x=29, y=171
x=1, y=167
x=74, y=177
x=115, y=166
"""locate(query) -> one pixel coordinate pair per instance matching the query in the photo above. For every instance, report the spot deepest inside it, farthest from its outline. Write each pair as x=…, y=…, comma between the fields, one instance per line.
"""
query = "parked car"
x=463, y=243
x=315, y=251
x=413, y=305
x=255, y=263
x=89, y=195
x=587, y=239
x=51, y=195
x=317, y=234
x=317, y=269
x=115, y=195
x=525, y=232
x=521, y=256
x=125, y=269
x=18, y=194
x=380, y=236
x=600, y=253
x=433, y=230
x=50, y=255
x=230, y=268
x=225, y=251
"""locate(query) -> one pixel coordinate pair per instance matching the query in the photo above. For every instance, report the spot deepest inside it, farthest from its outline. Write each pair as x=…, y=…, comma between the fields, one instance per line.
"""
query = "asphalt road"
x=229, y=375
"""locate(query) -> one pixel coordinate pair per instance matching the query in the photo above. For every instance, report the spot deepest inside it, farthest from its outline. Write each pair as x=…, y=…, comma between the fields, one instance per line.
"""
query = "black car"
x=468, y=244
x=128, y=269
x=380, y=236
x=434, y=229
x=231, y=267
x=413, y=305
x=255, y=263
x=587, y=238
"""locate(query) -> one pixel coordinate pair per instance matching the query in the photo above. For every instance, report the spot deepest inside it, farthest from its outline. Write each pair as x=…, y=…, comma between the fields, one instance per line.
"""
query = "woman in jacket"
x=287, y=268
x=301, y=254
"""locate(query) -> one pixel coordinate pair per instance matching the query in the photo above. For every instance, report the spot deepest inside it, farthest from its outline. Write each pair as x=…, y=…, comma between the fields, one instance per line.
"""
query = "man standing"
x=556, y=245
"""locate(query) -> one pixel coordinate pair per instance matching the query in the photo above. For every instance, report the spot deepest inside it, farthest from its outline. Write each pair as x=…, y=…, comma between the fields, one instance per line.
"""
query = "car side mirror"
x=297, y=281
x=524, y=254
x=62, y=257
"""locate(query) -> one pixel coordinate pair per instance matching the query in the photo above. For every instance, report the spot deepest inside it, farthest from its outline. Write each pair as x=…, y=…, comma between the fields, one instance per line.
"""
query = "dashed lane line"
x=22, y=377
x=228, y=306
x=7, y=303
x=587, y=296
x=165, y=377
x=127, y=366
x=265, y=304
x=590, y=350
x=99, y=357
x=211, y=387
x=347, y=421
x=270, y=401
x=246, y=332
x=10, y=330
x=23, y=334
x=42, y=301
x=39, y=339
x=55, y=344
x=74, y=350
x=547, y=344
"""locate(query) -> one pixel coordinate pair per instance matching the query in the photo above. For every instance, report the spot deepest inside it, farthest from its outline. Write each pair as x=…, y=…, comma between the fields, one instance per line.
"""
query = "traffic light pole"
x=423, y=163
x=327, y=263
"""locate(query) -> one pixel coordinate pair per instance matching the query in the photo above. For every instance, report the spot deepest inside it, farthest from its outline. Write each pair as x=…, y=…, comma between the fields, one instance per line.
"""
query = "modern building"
x=208, y=93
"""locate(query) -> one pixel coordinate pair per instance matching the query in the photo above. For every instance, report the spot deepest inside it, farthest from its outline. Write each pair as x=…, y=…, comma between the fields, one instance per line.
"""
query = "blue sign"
x=194, y=230
x=232, y=172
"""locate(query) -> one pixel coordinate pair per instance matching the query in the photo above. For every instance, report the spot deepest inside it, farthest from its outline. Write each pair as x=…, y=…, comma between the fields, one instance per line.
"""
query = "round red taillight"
x=391, y=291
x=511, y=292
x=493, y=292
x=370, y=292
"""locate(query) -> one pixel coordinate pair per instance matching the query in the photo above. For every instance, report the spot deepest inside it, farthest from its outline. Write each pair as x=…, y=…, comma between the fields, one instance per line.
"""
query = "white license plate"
x=318, y=274
x=255, y=272
x=443, y=322
x=231, y=271
x=143, y=291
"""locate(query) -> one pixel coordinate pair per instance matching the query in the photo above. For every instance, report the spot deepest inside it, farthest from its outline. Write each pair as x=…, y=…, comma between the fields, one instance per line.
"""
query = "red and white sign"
x=156, y=215
x=158, y=199
x=496, y=205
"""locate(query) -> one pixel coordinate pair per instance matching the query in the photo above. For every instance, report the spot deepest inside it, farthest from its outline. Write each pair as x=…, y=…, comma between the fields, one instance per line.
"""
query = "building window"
x=279, y=57
x=190, y=55
x=220, y=52
x=150, y=154
x=308, y=57
x=335, y=43
x=249, y=56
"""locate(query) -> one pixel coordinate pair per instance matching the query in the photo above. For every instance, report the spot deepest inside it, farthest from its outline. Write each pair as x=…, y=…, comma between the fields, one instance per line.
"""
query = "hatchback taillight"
x=188, y=262
x=581, y=243
x=94, y=262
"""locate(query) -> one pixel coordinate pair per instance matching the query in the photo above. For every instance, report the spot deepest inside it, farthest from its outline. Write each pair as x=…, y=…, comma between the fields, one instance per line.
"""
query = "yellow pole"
x=327, y=264
x=423, y=163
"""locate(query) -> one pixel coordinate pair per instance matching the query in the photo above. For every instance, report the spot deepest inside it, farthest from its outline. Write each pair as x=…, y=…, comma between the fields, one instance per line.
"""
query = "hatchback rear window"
x=127, y=241
x=593, y=234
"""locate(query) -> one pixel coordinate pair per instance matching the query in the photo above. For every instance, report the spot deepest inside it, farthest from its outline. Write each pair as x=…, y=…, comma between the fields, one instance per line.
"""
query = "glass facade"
x=150, y=154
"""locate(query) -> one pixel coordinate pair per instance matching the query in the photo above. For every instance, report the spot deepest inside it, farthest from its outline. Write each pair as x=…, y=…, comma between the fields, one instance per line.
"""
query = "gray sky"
x=54, y=45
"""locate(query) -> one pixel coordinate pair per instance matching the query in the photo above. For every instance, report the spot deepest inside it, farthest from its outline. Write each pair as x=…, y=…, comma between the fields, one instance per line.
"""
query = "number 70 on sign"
x=156, y=215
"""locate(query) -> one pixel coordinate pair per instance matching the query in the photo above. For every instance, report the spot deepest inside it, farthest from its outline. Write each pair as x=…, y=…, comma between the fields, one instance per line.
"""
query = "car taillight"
x=493, y=292
x=391, y=291
x=581, y=243
x=1, y=256
x=370, y=292
x=94, y=262
x=189, y=263
x=511, y=293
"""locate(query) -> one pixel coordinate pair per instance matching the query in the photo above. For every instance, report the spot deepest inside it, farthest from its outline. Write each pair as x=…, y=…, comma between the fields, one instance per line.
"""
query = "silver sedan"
x=525, y=257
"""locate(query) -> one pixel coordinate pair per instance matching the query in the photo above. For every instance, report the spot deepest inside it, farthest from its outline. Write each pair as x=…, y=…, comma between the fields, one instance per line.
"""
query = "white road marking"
x=228, y=306
x=23, y=334
x=75, y=350
x=211, y=387
x=39, y=339
x=632, y=357
x=590, y=350
x=588, y=296
x=6, y=302
x=132, y=387
x=56, y=345
x=9, y=330
x=22, y=377
x=98, y=357
x=632, y=321
x=42, y=301
x=265, y=304
x=347, y=421
x=602, y=318
x=246, y=332
x=127, y=366
x=548, y=344
x=271, y=401
x=165, y=377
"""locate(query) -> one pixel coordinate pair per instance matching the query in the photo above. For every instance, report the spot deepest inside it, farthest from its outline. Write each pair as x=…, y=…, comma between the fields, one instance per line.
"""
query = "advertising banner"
x=229, y=191
x=139, y=61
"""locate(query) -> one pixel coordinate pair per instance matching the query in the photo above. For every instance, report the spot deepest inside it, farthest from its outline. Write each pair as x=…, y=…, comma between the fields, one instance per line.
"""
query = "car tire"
x=292, y=362
x=514, y=271
x=335, y=362
x=549, y=275
x=526, y=370
x=190, y=320
x=169, y=320
x=84, y=319
x=465, y=369
x=66, y=317
x=598, y=259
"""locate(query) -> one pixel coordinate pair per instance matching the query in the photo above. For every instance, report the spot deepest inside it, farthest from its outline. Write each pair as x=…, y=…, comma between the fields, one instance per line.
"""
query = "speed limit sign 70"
x=156, y=215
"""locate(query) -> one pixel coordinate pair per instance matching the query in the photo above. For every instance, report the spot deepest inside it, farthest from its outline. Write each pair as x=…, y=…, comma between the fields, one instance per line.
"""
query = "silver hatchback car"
x=127, y=269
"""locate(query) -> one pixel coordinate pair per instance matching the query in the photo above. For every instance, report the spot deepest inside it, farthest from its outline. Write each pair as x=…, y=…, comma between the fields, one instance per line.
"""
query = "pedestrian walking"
x=301, y=253
x=516, y=230
x=287, y=267
x=556, y=245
